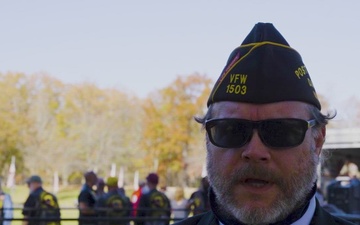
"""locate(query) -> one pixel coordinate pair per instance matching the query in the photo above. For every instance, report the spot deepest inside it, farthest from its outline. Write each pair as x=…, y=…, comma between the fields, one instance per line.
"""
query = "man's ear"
x=320, y=139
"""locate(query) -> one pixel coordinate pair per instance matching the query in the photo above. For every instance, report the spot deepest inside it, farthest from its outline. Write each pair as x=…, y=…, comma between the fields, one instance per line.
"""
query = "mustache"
x=255, y=172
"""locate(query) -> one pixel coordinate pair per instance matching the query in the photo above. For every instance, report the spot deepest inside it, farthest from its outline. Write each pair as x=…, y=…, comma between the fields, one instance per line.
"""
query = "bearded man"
x=265, y=134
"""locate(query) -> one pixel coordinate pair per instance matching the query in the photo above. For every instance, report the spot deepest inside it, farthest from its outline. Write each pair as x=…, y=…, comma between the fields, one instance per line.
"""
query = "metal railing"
x=36, y=218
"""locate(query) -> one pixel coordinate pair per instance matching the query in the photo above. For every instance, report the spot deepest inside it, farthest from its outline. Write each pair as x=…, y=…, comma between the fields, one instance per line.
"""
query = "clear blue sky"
x=141, y=46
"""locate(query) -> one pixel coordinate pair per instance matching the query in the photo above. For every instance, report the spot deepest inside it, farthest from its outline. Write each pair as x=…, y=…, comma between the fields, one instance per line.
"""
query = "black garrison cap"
x=264, y=69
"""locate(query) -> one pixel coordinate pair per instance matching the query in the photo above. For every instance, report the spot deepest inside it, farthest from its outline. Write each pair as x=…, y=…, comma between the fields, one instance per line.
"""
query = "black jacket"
x=321, y=217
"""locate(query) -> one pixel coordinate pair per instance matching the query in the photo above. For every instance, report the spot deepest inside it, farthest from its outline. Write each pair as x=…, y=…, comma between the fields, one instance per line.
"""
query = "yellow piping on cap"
x=255, y=45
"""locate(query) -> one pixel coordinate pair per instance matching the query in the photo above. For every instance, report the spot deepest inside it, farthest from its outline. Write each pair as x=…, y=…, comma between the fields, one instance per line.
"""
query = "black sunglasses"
x=274, y=133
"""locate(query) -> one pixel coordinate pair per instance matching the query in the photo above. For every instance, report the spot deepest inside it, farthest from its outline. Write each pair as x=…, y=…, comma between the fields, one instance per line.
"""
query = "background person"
x=349, y=169
x=179, y=205
x=153, y=204
x=100, y=187
x=135, y=197
x=199, y=200
x=40, y=204
x=6, y=207
x=114, y=204
x=264, y=137
x=87, y=200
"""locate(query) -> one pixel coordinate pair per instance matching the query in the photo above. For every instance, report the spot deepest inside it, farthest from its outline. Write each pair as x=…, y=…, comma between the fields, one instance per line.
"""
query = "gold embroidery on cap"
x=301, y=71
x=237, y=84
x=241, y=89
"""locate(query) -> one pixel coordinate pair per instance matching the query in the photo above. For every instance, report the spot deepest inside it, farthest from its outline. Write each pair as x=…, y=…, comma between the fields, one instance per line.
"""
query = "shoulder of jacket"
x=341, y=221
x=322, y=216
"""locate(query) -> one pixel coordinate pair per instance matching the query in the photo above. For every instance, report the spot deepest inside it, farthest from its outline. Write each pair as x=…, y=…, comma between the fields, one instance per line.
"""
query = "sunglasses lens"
x=229, y=133
x=275, y=133
x=282, y=133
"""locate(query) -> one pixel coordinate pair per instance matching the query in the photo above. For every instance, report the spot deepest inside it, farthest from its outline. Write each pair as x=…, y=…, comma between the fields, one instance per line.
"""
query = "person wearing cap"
x=6, y=207
x=100, y=186
x=114, y=205
x=153, y=204
x=264, y=137
x=87, y=200
x=40, y=204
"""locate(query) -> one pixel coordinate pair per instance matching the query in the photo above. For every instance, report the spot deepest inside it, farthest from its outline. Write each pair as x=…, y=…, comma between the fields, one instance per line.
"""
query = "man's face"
x=259, y=184
x=93, y=179
x=33, y=186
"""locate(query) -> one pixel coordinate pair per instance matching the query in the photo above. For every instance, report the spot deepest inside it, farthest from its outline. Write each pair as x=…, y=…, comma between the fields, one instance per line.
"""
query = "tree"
x=55, y=127
x=41, y=140
x=63, y=128
x=170, y=132
x=13, y=116
x=99, y=127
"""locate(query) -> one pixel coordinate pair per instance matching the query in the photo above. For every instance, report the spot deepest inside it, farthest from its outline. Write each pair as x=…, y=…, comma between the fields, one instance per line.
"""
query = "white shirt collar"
x=306, y=218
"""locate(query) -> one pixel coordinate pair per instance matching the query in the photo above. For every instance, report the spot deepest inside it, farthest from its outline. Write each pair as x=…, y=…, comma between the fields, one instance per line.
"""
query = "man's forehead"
x=272, y=110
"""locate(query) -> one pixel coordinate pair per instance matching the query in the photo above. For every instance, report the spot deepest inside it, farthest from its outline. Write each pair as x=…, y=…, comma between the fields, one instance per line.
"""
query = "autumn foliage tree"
x=55, y=127
x=14, y=106
x=50, y=126
x=170, y=132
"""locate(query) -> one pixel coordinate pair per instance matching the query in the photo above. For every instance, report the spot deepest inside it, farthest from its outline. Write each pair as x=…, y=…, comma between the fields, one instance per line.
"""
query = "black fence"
x=100, y=219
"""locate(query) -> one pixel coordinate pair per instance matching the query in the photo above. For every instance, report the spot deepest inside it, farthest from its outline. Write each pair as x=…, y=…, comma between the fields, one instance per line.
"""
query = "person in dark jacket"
x=154, y=206
x=40, y=206
x=114, y=205
x=87, y=200
x=264, y=136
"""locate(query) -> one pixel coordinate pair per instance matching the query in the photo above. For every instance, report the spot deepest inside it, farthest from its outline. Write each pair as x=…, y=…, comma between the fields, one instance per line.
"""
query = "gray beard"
x=293, y=191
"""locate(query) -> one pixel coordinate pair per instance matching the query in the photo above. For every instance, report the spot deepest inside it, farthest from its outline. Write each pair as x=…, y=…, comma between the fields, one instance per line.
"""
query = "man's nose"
x=255, y=150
